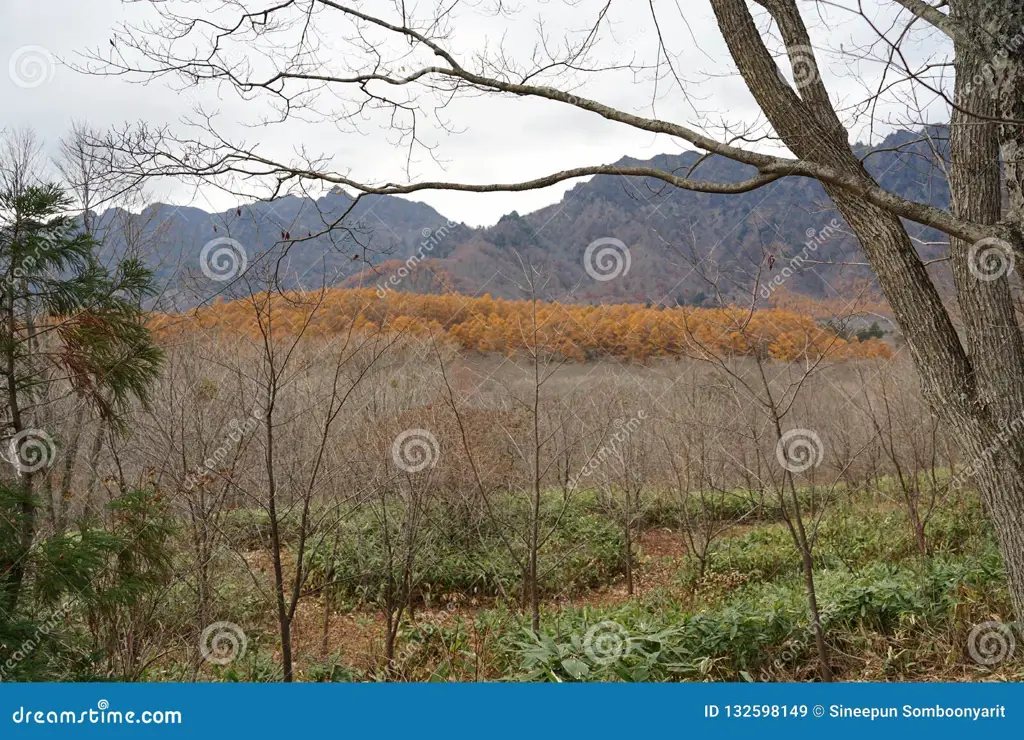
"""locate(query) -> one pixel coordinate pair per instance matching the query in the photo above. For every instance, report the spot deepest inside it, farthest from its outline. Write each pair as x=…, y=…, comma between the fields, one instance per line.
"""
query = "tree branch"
x=941, y=21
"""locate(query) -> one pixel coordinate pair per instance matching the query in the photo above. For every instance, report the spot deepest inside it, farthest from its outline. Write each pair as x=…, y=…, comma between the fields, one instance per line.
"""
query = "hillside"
x=668, y=231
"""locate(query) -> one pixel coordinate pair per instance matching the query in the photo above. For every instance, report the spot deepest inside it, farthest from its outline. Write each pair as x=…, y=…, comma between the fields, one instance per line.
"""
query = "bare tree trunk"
x=92, y=487
x=812, y=600
x=629, y=558
x=994, y=339
x=328, y=590
x=70, y=456
x=795, y=524
x=537, y=444
x=15, y=575
x=283, y=622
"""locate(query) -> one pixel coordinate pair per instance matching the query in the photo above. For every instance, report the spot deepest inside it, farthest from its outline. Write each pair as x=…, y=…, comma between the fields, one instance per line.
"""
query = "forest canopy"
x=489, y=325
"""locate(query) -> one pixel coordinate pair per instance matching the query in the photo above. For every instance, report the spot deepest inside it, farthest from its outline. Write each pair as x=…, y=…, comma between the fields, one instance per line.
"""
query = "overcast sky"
x=497, y=139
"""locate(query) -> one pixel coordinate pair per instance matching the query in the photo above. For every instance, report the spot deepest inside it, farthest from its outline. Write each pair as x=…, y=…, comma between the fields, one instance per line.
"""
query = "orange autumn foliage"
x=488, y=325
x=860, y=297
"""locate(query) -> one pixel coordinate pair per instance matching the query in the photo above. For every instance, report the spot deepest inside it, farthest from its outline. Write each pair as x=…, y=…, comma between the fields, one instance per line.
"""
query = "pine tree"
x=67, y=324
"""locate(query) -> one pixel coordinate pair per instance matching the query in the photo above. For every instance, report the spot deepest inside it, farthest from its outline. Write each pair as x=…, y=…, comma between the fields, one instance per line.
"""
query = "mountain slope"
x=681, y=244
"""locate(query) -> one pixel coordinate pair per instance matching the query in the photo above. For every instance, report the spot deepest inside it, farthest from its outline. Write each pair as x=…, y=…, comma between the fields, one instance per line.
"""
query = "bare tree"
x=285, y=485
x=908, y=435
x=402, y=61
x=623, y=469
x=403, y=505
x=542, y=436
x=705, y=459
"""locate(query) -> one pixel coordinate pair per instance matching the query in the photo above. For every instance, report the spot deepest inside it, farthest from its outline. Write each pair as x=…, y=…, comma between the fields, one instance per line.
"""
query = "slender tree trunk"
x=535, y=514
x=15, y=575
x=284, y=623
x=812, y=600
x=92, y=487
x=70, y=455
x=328, y=590
x=916, y=523
x=389, y=641
x=629, y=559
x=803, y=543
x=629, y=542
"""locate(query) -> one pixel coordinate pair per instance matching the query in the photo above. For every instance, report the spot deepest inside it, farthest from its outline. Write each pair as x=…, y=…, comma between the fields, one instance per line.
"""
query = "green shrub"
x=764, y=554
x=249, y=528
x=584, y=551
x=763, y=630
x=79, y=579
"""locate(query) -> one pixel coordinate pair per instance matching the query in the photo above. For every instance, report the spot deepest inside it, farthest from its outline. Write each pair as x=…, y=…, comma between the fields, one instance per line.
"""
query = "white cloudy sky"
x=497, y=139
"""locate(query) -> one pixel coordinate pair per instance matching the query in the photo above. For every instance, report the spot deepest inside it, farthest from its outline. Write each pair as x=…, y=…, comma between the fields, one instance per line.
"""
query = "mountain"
x=290, y=235
x=681, y=244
